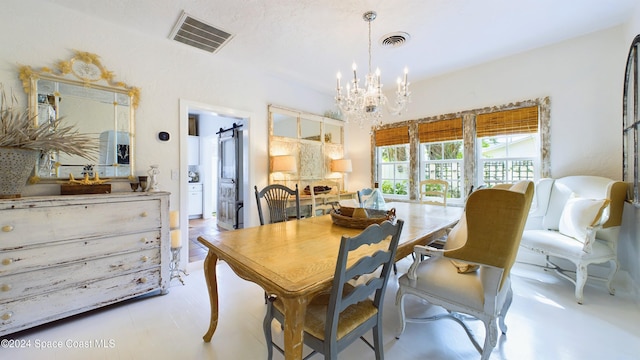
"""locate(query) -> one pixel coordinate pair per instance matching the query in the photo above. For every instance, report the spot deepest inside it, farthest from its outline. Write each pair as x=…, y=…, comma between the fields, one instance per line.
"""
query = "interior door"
x=229, y=203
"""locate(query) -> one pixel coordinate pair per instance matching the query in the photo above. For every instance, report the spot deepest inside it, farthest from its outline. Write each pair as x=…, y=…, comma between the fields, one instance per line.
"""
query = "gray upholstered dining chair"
x=363, y=194
x=277, y=198
x=335, y=320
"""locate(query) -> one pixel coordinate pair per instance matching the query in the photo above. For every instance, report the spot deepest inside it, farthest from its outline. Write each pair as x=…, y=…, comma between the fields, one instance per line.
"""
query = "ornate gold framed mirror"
x=84, y=93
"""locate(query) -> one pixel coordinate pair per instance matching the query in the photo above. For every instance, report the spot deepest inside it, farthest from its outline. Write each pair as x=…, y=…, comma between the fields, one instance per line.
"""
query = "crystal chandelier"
x=364, y=105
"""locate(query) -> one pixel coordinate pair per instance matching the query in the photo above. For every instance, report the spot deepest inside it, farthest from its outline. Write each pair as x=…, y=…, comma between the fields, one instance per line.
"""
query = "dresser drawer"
x=42, y=257
x=24, y=313
x=47, y=224
x=25, y=284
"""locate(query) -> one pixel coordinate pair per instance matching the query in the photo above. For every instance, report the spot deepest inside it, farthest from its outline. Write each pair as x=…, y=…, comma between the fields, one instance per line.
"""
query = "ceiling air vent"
x=193, y=32
x=395, y=39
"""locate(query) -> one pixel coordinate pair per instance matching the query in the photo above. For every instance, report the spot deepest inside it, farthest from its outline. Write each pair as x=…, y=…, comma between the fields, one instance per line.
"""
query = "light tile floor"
x=544, y=322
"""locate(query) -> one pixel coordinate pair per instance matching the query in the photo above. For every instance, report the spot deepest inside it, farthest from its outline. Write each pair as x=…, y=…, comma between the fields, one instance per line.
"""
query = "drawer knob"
x=143, y=240
x=7, y=228
x=7, y=261
x=6, y=316
x=143, y=280
x=144, y=258
x=144, y=214
x=5, y=287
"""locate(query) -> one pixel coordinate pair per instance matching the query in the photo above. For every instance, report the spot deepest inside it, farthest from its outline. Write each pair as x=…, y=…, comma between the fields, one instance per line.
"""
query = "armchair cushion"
x=456, y=239
x=579, y=216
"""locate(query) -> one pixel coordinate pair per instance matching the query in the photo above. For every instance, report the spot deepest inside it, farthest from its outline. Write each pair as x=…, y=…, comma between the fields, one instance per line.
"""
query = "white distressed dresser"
x=63, y=255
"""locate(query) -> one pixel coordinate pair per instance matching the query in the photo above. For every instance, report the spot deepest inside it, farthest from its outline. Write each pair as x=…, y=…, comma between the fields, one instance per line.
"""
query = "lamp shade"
x=283, y=163
x=341, y=165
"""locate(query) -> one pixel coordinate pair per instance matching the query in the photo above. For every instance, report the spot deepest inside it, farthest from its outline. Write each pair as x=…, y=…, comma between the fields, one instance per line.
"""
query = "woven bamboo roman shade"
x=516, y=121
x=392, y=136
x=442, y=130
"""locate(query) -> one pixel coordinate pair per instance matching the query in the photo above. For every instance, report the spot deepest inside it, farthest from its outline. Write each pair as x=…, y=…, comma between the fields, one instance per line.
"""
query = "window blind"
x=516, y=121
x=442, y=130
x=392, y=136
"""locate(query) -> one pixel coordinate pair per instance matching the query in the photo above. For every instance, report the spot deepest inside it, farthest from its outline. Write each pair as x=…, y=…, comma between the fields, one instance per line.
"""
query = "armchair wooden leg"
x=400, y=307
x=581, y=280
x=612, y=273
x=503, y=311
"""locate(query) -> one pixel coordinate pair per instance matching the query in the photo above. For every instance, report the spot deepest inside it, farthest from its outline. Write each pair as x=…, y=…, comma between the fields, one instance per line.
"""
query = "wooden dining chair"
x=277, y=198
x=335, y=320
x=434, y=192
x=322, y=202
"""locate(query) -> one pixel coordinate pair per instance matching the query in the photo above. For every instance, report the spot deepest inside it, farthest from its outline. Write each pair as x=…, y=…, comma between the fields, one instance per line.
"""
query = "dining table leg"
x=212, y=285
x=294, y=312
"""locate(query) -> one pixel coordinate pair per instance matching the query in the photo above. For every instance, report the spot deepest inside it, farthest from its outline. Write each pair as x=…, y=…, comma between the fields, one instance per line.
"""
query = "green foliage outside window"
x=399, y=188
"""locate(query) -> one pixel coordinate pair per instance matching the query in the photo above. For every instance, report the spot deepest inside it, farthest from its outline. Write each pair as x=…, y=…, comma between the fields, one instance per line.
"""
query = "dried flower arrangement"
x=18, y=129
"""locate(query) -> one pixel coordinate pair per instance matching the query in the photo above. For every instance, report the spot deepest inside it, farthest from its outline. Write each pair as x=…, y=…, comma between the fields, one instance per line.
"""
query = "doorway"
x=199, y=124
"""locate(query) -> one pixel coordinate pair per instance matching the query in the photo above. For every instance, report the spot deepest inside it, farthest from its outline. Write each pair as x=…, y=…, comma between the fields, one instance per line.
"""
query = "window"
x=502, y=144
x=507, y=159
x=393, y=159
x=441, y=154
x=508, y=146
x=631, y=122
x=394, y=170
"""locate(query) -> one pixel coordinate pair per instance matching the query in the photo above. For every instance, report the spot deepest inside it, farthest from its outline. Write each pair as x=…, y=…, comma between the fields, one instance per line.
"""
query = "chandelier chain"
x=370, y=46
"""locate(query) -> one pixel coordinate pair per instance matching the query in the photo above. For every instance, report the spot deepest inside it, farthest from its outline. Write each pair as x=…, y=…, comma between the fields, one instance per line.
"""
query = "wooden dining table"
x=295, y=260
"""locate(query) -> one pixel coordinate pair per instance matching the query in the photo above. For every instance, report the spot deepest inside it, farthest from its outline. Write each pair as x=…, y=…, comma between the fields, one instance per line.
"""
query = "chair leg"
x=505, y=308
x=400, y=307
x=581, y=279
x=490, y=340
x=266, y=326
x=377, y=340
x=614, y=269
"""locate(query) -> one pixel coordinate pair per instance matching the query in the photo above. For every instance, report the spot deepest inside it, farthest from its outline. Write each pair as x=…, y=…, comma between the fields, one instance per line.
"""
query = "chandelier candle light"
x=365, y=104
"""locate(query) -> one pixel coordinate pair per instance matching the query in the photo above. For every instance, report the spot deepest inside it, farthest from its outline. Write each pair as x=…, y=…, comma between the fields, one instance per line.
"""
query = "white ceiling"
x=310, y=40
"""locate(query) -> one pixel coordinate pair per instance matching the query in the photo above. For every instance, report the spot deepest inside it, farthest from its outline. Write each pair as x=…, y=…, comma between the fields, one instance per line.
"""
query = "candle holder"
x=143, y=183
x=174, y=265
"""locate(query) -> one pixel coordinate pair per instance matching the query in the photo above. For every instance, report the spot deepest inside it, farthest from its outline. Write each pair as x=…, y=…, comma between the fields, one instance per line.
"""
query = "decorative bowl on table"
x=317, y=190
x=360, y=218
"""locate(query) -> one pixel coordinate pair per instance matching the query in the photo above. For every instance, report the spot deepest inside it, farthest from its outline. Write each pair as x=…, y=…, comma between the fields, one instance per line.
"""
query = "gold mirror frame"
x=85, y=70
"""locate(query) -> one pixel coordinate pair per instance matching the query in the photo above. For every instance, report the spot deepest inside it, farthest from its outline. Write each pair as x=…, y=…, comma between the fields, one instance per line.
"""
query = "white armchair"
x=577, y=218
x=471, y=274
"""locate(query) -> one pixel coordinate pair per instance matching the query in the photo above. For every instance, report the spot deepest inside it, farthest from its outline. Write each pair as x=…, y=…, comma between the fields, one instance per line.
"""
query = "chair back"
x=341, y=298
x=493, y=222
x=434, y=192
x=319, y=200
x=277, y=198
x=363, y=194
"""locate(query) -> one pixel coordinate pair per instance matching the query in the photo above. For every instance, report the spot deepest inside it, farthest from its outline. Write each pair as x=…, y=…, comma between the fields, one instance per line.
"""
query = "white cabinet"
x=195, y=200
x=193, y=151
x=63, y=255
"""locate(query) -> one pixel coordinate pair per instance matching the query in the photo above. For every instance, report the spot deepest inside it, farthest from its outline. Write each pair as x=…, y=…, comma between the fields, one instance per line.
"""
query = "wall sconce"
x=341, y=166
